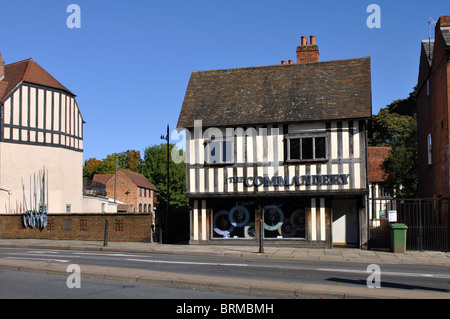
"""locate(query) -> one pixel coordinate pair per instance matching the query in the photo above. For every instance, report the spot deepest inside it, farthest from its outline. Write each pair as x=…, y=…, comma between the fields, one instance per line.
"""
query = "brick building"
x=133, y=191
x=433, y=113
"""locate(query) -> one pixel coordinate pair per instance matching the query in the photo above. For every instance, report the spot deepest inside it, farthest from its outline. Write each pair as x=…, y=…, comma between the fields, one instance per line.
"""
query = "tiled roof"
x=139, y=179
x=376, y=157
x=428, y=46
x=28, y=71
x=101, y=178
x=279, y=94
x=446, y=35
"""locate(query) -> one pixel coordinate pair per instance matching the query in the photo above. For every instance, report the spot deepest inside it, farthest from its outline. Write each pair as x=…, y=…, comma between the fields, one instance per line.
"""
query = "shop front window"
x=282, y=219
x=285, y=220
x=236, y=221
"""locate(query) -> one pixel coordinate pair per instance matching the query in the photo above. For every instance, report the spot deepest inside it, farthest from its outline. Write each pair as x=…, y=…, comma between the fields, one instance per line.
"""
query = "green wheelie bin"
x=398, y=238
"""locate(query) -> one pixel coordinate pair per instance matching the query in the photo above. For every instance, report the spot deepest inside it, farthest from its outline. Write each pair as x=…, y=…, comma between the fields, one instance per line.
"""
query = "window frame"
x=306, y=136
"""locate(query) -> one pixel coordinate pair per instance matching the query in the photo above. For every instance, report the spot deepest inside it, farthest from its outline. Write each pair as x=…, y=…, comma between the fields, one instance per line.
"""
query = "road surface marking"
x=186, y=263
x=40, y=259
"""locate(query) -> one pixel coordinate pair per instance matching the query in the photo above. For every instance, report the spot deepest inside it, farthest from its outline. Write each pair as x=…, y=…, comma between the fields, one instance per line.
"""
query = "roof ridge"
x=29, y=59
x=281, y=65
x=29, y=71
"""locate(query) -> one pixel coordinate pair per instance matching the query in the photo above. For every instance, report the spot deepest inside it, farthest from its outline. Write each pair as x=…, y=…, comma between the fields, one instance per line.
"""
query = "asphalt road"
x=407, y=277
x=21, y=285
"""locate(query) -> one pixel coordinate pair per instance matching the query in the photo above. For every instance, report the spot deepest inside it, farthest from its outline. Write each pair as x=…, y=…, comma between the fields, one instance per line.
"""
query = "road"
x=406, y=277
x=20, y=285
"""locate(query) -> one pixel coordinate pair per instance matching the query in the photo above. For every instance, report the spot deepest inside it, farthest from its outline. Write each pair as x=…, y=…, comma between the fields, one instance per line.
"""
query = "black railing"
x=427, y=220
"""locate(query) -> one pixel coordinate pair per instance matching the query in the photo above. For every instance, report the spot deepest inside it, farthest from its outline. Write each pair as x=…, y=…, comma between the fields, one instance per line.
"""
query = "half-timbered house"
x=286, y=144
x=41, y=132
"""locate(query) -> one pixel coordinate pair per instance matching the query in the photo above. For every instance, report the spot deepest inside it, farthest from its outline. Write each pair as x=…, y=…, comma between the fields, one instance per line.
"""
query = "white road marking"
x=112, y=255
x=32, y=254
x=40, y=259
x=187, y=263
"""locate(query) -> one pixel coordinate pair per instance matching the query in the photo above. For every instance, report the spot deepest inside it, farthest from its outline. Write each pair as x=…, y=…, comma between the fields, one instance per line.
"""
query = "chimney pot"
x=2, y=68
x=304, y=41
x=291, y=61
x=312, y=40
x=283, y=62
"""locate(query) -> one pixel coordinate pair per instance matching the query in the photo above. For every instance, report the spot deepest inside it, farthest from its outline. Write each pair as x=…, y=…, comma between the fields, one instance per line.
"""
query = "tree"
x=396, y=126
x=155, y=169
x=129, y=160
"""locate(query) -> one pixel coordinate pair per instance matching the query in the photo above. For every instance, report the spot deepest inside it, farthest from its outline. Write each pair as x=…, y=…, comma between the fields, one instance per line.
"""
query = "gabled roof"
x=28, y=71
x=279, y=94
x=138, y=179
x=428, y=47
x=101, y=179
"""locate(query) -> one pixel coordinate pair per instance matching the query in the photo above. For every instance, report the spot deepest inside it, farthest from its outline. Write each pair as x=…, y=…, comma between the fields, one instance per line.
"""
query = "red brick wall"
x=121, y=227
x=433, y=117
x=307, y=54
x=423, y=102
x=125, y=184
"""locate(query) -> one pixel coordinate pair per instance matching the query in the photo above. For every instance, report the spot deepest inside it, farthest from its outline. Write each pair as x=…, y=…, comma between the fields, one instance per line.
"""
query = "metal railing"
x=427, y=220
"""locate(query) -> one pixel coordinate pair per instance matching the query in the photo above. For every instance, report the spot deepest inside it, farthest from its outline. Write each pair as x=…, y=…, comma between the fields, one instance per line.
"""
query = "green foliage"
x=396, y=126
x=154, y=167
x=129, y=160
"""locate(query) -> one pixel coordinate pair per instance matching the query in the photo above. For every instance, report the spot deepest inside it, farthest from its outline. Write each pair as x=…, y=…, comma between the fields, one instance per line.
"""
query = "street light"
x=167, y=181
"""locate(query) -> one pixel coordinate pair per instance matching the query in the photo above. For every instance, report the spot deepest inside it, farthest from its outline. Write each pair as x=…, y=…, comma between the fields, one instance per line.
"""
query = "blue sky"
x=130, y=62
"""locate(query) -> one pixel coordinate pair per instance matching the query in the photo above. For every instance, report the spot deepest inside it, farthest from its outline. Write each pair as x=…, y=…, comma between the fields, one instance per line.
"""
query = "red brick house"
x=433, y=112
x=133, y=189
x=376, y=157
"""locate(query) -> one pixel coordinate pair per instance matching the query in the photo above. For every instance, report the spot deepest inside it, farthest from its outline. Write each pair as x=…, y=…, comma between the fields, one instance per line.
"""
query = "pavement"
x=267, y=288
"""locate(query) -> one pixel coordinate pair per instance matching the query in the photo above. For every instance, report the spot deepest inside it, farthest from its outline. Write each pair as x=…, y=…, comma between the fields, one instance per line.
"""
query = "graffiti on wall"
x=35, y=210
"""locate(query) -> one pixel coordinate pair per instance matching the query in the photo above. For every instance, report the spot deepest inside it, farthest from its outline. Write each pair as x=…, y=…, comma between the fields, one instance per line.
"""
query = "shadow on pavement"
x=387, y=284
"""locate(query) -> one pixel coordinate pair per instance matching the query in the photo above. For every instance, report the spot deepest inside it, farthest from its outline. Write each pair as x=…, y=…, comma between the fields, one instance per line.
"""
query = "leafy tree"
x=396, y=126
x=129, y=160
x=155, y=169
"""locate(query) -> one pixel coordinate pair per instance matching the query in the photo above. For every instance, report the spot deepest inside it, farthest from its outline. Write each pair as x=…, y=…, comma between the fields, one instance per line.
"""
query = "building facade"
x=133, y=191
x=41, y=134
x=283, y=144
x=433, y=108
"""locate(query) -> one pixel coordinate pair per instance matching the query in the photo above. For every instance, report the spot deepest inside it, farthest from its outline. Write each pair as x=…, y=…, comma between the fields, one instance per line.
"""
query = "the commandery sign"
x=304, y=180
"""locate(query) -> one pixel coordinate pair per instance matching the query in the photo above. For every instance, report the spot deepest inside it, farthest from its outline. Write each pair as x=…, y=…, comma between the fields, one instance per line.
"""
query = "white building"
x=41, y=130
x=281, y=145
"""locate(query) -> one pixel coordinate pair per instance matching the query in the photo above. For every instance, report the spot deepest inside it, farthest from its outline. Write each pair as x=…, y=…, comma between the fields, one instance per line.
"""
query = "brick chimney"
x=308, y=53
x=2, y=68
x=444, y=21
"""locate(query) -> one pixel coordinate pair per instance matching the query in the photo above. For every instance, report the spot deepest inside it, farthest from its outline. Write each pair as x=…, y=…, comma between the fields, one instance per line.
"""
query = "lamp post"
x=167, y=185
